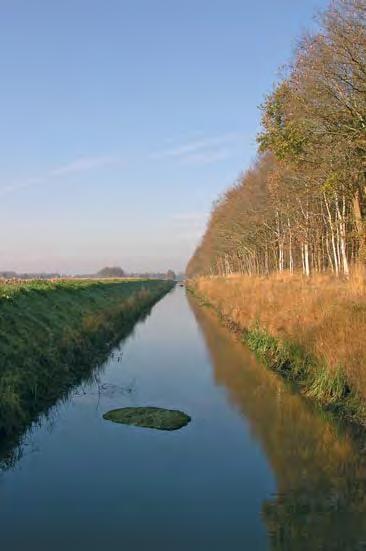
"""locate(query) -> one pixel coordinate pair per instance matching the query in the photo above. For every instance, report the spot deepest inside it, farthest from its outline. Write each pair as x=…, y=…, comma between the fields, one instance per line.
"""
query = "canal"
x=257, y=468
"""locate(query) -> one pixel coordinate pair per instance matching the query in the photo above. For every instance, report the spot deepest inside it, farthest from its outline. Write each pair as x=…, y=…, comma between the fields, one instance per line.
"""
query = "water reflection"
x=319, y=466
x=88, y=382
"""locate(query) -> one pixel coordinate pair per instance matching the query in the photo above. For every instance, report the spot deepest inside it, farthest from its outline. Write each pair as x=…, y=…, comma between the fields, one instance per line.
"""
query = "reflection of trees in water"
x=319, y=468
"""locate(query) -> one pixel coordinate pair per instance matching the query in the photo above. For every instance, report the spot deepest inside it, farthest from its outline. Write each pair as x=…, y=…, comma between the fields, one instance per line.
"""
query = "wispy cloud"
x=77, y=166
x=84, y=164
x=28, y=182
x=204, y=151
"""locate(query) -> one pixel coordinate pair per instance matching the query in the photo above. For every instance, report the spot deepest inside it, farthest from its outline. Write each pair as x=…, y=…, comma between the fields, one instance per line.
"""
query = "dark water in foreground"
x=257, y=468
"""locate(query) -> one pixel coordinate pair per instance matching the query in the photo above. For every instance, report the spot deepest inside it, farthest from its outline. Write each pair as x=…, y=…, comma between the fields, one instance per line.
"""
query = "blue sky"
x=123, y=120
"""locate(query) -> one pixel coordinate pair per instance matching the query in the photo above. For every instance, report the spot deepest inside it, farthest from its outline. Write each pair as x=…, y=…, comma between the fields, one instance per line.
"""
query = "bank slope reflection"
x=318, y=464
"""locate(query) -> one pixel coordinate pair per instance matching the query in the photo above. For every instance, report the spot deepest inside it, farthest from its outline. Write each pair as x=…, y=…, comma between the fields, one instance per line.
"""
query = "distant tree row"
x=106, y=272
x=10, y=274
x=302, y=206
x=116, y=271
x=111, y=271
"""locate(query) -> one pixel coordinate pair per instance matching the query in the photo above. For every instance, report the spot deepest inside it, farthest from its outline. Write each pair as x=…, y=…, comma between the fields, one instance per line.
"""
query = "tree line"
x=302, y=205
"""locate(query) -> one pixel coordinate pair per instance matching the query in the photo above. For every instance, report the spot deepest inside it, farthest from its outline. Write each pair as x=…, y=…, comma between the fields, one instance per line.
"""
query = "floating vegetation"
x=149, y=417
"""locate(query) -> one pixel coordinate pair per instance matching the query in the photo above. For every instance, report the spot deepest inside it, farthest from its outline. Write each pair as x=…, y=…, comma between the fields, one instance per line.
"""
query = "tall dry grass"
x=324, y=315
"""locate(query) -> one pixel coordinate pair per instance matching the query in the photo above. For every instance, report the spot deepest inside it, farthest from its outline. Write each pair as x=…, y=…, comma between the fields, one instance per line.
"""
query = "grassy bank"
x=53, y=333
x=310, y=330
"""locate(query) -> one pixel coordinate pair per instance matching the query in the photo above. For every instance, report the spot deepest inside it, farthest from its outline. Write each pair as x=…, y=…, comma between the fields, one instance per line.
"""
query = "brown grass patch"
x=324, y=315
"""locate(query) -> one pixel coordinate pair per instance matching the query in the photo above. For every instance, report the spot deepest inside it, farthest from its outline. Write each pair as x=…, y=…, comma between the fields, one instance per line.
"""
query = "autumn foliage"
x=302, y=206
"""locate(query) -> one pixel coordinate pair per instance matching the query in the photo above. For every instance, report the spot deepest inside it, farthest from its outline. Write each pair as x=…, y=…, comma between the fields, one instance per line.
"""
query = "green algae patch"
x=149, y=417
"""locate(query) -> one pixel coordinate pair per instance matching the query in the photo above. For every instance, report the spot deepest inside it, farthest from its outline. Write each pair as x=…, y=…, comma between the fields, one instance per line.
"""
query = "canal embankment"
x=53, y=333
x=310, y=330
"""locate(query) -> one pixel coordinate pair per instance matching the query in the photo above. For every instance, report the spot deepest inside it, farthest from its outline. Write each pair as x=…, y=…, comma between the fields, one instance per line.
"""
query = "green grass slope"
x=53, y=333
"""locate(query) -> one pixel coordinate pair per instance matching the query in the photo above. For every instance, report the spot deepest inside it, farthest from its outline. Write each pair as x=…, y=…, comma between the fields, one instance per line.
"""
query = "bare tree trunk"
x=342, y=234
x=266, y=263
x=357, y=213
x=332, y=236
x=330, y=259
x=291, y=257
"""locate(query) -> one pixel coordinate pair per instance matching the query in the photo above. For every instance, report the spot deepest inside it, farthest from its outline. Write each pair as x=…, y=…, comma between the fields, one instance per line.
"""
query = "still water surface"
x=257, y=468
